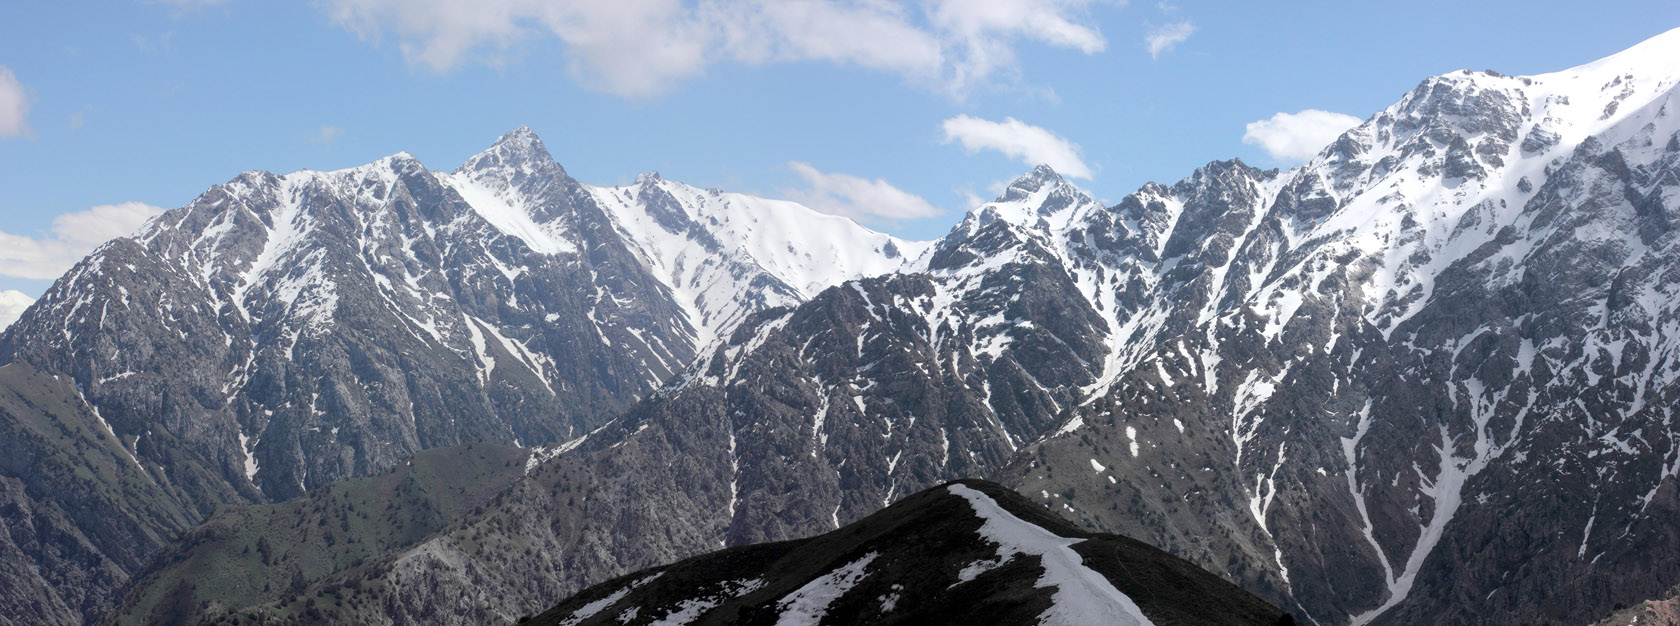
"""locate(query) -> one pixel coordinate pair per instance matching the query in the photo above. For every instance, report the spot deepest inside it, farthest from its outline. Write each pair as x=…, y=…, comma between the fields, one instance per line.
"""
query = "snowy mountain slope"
x=728, y=255
x=1470, y=293
x=1425, y=378
x=967, y=552
x=291, y=330
x=800, y=421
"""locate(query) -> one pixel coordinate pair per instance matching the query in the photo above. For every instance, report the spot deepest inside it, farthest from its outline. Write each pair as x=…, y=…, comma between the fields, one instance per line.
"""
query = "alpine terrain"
x=1427, y=377
x=282, y=332
x=963, y=553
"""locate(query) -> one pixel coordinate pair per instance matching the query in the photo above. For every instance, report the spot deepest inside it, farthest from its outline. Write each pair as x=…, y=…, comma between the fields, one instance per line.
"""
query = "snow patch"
x=808, y=605
x=1083, y=596
x=591, y=609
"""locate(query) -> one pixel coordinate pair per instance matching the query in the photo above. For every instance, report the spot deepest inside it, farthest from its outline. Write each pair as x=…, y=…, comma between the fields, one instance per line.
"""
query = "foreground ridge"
x=962, y=553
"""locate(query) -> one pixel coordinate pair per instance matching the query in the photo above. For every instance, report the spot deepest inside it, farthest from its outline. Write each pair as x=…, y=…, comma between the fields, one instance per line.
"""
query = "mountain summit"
x=962, y=553
x=285, y=331
x=1436, y=362
x=1427, y=377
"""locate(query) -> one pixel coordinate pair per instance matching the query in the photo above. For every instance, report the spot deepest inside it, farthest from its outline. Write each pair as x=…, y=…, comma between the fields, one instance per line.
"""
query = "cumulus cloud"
x=1296, y=137
x=12, y=305
x=1018, y=140
x=1163, y=38
x=14, y=106
x=856, y=197
x=642, y=48
x=73, y=236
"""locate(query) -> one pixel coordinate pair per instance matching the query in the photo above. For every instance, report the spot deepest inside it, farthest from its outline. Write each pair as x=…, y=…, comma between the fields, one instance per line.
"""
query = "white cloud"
x=1163, y=38
x=325, y=134
x=1018, y=140
x=1296, y=137
x=642, y=48
x=12, y=305
x=857, y=197
x=14, y=106
x=981, y=36
x=74, y=235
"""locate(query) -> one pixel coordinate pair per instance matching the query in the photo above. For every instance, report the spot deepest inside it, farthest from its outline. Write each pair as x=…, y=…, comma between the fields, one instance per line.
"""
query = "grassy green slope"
x=78, y=514
x=251, y=555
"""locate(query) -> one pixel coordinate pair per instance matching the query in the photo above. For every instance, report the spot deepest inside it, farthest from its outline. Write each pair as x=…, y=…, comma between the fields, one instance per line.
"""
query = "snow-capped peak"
x=1470, y=125
x=1652, y=59
x=727, y=255
x=723, y=255
x=1040, y=200
x=1030, y=183
x=519, y=151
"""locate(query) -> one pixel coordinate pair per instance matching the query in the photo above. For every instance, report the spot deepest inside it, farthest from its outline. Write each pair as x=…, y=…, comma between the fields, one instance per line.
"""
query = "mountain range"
x=284, y=332
x=1427, y=377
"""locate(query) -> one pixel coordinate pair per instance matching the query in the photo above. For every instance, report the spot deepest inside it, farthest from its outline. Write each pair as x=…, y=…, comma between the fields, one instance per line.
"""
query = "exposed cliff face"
x=80, y=513
x=1425, y=377
x=803, y=420
x=1437, y=382
x=282, y=332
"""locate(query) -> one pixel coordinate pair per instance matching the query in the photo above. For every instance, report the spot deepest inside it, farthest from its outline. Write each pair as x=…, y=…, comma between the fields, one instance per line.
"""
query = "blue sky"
x=898, y=114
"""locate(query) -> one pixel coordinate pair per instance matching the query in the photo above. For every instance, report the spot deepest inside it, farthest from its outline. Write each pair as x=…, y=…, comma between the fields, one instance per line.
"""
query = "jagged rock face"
x=78, y=515
x=316, y=326
x=967, y=552
x=801, y=420
x=1376, y=389
x=1427, y=377
x=285, y=331
x=1439, y=383
x=312, y=326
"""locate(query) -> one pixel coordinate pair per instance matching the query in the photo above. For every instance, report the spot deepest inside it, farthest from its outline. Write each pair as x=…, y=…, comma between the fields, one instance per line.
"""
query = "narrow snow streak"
x=1083, y=596
x=590, y=610
x=808, y=605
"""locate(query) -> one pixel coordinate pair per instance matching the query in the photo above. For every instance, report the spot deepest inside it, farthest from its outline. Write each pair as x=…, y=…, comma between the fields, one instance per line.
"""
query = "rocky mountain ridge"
x=1426, y=377
x=959, y=553
x=282, y=332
